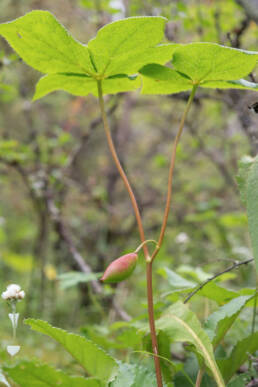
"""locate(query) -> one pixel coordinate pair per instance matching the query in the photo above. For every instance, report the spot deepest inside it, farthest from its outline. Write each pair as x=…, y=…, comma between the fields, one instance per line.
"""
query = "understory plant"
x=127, y=55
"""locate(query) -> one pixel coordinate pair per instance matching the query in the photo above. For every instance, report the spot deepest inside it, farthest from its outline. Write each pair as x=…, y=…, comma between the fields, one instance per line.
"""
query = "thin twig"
x=236, y=265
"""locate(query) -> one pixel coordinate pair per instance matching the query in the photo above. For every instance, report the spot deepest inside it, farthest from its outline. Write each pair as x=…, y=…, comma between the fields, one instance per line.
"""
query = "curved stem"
x=171, y=172
x=142, y=236
x=144, y=243
x=120, y=168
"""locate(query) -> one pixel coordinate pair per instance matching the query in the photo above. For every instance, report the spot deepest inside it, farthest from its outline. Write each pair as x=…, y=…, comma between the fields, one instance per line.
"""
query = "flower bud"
x=120, y=269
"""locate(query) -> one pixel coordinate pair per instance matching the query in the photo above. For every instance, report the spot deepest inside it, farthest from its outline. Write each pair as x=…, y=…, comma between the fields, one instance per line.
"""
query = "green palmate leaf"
x=207, y=64
x=181, y=324
x=212, y=62
x=123, y=36
x=238, y=356
x=82, y=85
x=252, y=207
x=45, y=45
x=221, y=320
x=119, y=48
x=93, y=359
x=42, y=375
x=159, y=79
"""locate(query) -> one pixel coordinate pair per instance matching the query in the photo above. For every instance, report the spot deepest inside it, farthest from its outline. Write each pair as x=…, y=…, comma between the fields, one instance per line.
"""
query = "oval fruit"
x=120, y=269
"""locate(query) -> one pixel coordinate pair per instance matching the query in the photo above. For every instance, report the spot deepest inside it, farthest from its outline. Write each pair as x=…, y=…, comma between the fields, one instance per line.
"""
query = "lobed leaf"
x=207, y=64
x=124, y=36
x=210, y=61
x=44, y=44
x=93, y=359
x=42, y=375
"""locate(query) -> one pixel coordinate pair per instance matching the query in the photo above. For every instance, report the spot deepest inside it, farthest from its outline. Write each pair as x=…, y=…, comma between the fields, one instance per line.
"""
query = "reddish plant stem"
x=199, y=377
x=142, y=236
x=120, y=169
x=171, y=172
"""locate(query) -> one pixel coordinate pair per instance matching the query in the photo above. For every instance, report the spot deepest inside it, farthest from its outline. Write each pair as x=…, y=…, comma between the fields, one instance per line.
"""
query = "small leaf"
x=159, y=79
x=212, y=62
x=181, y=324
x=93, y=359
x=42, y=375
x=252, y=208
x=44, y=44
x=82, y=85
x=238, y=356
x=123, y=36
x=221, y=320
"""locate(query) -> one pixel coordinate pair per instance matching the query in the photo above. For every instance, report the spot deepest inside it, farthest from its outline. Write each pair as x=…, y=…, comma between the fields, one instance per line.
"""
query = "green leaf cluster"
x=120, y=49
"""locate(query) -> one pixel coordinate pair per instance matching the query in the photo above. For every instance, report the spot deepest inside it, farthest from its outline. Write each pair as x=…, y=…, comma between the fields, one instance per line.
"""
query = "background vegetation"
x=64, y=213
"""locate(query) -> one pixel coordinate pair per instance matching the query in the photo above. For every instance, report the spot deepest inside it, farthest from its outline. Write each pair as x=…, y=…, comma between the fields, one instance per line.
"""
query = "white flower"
x=13, y=292
x=182, y=237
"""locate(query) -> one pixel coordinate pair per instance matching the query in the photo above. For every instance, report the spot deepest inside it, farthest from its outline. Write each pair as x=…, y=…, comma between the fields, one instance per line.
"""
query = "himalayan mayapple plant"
x=128, y=55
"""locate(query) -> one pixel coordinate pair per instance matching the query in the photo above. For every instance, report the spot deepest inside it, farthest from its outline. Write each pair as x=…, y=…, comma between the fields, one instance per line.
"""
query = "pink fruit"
x=120, y=269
